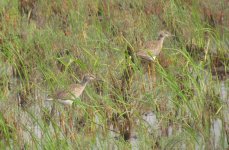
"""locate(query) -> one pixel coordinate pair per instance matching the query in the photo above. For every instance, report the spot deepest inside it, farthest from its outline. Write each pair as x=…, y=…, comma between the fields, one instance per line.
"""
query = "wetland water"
x=31, y=127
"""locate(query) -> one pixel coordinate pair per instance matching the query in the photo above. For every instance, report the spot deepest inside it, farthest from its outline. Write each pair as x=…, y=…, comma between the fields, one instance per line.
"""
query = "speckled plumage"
x=153, y=48
x=73, y=92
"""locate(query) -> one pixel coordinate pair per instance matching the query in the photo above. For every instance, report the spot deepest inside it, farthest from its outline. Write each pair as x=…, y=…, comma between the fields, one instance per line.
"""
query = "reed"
x=46, y=45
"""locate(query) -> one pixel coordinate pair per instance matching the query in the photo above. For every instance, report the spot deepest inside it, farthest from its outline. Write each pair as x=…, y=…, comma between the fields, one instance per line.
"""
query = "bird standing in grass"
x=73, y=92
x=67, y=97
x=150, y=51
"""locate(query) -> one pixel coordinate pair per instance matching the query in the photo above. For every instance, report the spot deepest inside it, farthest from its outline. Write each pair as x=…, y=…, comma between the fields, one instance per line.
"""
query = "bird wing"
x=74, y=91
x=62, y=94
x=145, y=54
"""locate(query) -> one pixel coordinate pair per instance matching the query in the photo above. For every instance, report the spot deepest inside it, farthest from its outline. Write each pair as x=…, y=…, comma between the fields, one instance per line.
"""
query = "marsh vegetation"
x=180, y=101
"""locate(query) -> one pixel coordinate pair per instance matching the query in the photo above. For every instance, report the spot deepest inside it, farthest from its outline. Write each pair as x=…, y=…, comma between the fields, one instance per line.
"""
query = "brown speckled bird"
x=73, y=92
x=153, y=48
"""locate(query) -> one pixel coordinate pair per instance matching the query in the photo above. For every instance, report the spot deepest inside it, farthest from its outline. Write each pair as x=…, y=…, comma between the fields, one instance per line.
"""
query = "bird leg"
x=62, y=123
x=152, y=74
x=70, y=120
x=149, y=72
x=154, y=78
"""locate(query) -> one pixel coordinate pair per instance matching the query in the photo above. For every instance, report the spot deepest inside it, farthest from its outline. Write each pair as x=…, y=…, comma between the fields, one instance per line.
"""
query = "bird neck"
x=160, y=40
x=84, y=82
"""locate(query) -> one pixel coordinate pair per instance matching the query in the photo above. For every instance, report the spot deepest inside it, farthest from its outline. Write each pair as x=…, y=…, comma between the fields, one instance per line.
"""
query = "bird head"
x=163, y=34
x=88, y=77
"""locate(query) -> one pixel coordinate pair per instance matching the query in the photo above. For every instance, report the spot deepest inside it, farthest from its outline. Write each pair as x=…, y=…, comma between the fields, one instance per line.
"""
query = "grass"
x=46, y=45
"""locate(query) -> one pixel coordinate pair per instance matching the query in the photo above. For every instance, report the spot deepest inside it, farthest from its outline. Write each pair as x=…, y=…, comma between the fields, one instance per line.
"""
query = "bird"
x=150, y=51
x=73, y=92
x=153, y=48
